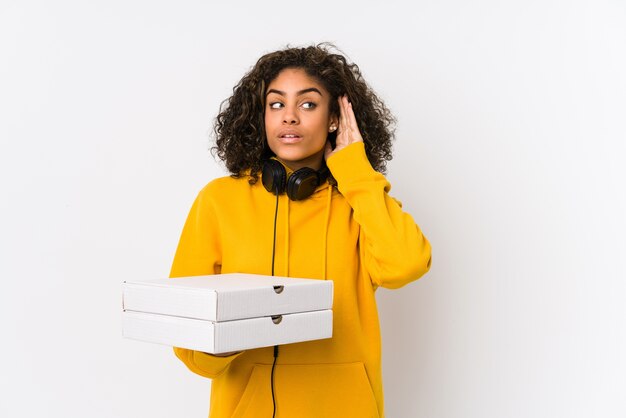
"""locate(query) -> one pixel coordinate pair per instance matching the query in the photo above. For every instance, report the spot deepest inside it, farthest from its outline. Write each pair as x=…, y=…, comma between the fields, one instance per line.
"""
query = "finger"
x=340, y=122
x=354, y=134
x=346, y=115
x=352, y=118
x=345, y=110
x=342, y=116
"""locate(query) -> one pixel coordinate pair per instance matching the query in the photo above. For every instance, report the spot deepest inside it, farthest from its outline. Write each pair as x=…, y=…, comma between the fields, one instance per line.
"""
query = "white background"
x=510, y=155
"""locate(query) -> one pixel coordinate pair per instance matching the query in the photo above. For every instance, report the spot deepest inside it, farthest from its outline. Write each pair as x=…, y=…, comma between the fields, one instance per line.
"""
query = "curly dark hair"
x=240, y=140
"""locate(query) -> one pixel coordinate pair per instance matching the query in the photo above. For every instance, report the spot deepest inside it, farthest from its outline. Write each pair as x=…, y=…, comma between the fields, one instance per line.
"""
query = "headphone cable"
x=272, y=380
x=275, y=347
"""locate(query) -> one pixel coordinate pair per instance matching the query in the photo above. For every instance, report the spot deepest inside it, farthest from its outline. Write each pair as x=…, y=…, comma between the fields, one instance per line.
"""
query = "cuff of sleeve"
x=215, y=364
x=202, y=363
x=350, y=163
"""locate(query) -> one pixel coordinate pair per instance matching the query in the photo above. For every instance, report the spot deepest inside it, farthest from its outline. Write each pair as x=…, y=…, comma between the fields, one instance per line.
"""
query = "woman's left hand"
x=348, y=131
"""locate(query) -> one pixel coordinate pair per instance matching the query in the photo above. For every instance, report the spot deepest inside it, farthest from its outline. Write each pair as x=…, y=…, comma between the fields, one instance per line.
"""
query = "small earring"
x=332, y=128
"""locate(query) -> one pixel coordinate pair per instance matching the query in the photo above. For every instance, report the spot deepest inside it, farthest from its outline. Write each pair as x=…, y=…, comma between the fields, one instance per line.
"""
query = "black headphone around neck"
x=300, y=184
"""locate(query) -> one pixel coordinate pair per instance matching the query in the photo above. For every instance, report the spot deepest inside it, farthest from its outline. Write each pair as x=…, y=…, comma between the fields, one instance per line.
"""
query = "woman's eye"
x=305, y=105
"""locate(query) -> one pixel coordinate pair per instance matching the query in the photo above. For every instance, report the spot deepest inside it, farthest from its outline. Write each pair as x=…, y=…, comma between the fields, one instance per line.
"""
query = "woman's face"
x=297, y=119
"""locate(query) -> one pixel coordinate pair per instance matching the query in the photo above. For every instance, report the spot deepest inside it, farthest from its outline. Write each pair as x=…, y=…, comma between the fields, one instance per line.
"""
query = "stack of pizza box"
x=227, y=312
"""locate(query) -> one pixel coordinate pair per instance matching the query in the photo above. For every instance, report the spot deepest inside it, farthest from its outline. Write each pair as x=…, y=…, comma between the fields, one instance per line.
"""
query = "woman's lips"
x=290, y=139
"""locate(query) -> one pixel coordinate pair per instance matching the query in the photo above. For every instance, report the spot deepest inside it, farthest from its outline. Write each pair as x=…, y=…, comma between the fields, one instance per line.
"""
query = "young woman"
x=309, y=112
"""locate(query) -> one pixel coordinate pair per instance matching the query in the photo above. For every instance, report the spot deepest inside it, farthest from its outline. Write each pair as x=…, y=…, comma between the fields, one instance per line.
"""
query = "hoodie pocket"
x=309, y=391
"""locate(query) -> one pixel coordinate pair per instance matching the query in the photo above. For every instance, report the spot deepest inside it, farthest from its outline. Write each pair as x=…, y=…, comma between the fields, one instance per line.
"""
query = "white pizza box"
x=227, y=297
x=227, y=336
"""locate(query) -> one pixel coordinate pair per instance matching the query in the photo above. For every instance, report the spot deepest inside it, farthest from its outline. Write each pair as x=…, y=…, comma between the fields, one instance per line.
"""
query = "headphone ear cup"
x=302, y=183
x=274, y=177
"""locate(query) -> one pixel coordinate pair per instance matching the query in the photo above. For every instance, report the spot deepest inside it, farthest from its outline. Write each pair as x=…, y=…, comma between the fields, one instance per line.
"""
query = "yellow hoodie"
x=357, y=236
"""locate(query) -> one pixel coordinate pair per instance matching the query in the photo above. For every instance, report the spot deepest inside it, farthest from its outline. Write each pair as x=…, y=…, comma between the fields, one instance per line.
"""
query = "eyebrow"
x=301, y=92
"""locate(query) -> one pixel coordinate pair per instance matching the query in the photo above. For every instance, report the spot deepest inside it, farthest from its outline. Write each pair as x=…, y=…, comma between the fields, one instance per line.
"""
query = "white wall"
x=510, y=151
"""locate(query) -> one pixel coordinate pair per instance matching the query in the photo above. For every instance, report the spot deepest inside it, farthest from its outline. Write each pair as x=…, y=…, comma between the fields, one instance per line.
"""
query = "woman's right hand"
x=348, y=131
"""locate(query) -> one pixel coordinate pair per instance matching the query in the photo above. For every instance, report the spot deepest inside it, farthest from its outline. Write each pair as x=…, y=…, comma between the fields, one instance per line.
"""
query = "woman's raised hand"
x=348, y=130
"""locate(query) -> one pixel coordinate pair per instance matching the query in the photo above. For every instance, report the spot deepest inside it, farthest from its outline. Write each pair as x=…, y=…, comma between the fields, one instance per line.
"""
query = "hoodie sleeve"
x=394, y=250
x=199, y=253
x=199, y=250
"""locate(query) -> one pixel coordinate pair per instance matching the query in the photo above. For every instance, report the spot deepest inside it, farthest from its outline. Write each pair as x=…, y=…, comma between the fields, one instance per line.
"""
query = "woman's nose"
x=290, y=117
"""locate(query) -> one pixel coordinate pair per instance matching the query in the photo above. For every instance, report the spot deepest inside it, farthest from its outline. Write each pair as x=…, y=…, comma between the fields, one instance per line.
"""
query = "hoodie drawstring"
x=286, y=238
x=326, y=225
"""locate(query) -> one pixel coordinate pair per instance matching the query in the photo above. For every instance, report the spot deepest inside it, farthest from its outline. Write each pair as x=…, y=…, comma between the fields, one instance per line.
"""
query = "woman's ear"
x=334, y=123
